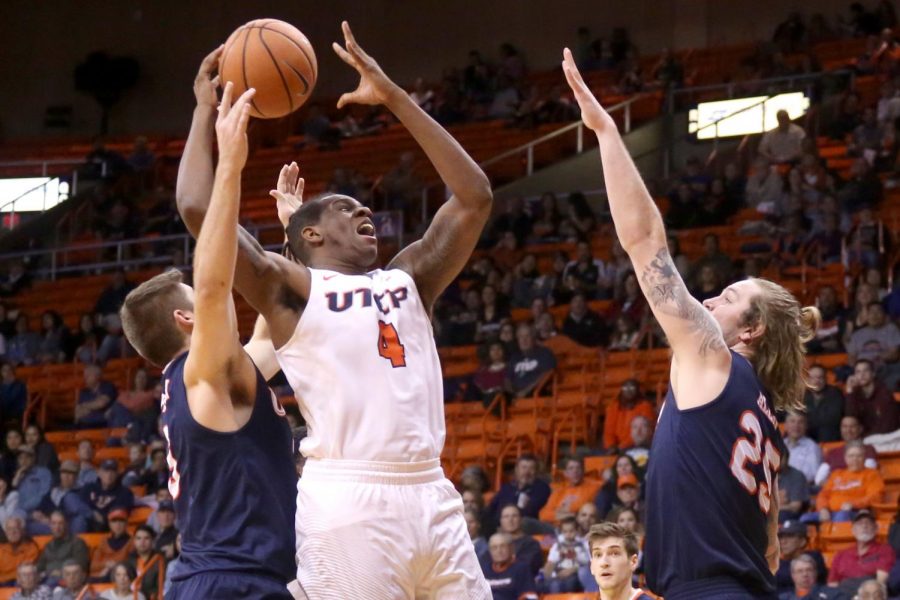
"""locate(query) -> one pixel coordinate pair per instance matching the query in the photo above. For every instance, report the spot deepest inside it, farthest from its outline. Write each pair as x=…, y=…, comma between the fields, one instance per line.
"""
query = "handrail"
x=12, y=212
x=160, y=574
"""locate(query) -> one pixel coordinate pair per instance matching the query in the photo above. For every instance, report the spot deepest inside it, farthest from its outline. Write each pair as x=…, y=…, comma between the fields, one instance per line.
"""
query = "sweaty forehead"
x=335, y=199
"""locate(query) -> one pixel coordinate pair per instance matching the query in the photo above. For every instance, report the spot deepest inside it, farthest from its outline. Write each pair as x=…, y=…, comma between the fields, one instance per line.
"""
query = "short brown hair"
x=147, y=317
x=606, y=530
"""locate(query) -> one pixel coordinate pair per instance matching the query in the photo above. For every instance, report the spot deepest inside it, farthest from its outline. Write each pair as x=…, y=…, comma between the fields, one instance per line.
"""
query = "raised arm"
x=436, y=259
x=695, y=337
x=218, y=371
x=260, y=277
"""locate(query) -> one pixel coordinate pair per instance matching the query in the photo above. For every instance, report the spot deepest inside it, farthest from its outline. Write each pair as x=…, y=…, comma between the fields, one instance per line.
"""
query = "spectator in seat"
x=606, y=497
x=870, y=401
x=94, y=399
x=86, y=472
x=73, y=583
x=804, y=584
x=545, y=327
x=714, y=257
x=526, y=491
x=867, y=559
x=628, y=493
x=849, y=490
x=868, y=137
x=401, y=185
x=861, y=191
x=824, y=407
x=582, y=324
x=629, y=404
x=641, y=437
x=45, y=454
x=490, y=378
x=137, y=457
x=143, y=554
x=16, y=279
x=174, y=564
x=574, y=493
x=586, y=517
x=9, y=503
x=113, y=296
x=473, y=524
x=107, y=494
x=63, y=497
x=29, y=584
x=628, y=300
x=165, y=539
x=18, y=549
x=784, y=144
x=156, y=475
x=54, y=338
x=793, y=541
x=10, y=459
x=806, y=456
x=588, y=271
x=13, y=394
x=872, y=590
x=793, y=491
x=31, y=481
x=525, y=548
x=566, y=558
x=851, y=431
x=509, y=577
x=24, y=347
x=668, y=73
x=614, y=559
x=142, y=397
x=114, y=548
x=113, y=345
x=64, y=546
x=530, y=364
x=123, y=576
x=878, y=341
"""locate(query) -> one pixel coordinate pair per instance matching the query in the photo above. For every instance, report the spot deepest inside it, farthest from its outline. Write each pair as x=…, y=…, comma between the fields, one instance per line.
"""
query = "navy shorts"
x=228, y=585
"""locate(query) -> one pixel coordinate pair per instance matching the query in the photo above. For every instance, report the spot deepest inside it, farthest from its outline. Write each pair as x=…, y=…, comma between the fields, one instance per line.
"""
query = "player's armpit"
x=691, y=330
x=434, y=261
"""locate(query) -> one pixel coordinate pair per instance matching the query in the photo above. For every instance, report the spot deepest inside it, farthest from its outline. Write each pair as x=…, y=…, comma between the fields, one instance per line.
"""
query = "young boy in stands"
x=614, y=557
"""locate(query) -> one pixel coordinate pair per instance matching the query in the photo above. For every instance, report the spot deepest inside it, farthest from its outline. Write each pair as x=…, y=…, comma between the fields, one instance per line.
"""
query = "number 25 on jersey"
x=755, y=449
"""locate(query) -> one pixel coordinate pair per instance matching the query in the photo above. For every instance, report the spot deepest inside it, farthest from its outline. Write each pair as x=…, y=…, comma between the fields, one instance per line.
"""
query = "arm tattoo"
x=667, y=293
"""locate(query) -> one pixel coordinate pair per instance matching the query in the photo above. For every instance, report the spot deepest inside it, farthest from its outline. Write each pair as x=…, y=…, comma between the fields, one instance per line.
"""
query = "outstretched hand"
x=205, y=83
x=593, y=115
x=288, y=193
x=374, y=86
x=231, y=127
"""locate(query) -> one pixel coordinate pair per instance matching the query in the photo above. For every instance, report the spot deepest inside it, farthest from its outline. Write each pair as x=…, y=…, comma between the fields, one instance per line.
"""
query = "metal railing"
x=528, y=149
x=10, y=206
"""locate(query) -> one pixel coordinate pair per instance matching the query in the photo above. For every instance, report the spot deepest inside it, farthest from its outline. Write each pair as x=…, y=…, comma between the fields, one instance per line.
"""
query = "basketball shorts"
x=391, y=531
x=228, y=584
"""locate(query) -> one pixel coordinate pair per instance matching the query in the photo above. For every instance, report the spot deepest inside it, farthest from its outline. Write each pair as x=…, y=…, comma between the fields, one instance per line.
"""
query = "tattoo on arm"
x=668, y=294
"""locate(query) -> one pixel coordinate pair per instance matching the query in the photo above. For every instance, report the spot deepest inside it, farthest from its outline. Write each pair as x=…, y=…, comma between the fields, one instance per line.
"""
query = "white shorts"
x=382, y=531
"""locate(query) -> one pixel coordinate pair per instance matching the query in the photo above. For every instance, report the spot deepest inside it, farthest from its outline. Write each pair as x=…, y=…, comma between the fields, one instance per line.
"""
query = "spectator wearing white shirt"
x=806, y=456
x=784, y=144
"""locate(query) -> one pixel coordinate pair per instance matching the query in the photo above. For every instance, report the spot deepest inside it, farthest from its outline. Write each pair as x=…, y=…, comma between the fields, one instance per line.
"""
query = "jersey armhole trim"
x=714, y=401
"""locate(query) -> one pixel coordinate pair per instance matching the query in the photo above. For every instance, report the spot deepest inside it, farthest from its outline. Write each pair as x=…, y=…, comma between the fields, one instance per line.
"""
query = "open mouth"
x=366, y=228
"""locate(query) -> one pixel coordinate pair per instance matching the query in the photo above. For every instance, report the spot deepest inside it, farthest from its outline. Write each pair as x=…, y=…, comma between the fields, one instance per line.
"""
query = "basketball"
x=275, y=58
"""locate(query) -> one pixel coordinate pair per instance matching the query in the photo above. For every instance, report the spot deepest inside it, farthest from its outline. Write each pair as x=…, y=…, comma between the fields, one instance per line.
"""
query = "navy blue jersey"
x=708, y=492
x=235, y=492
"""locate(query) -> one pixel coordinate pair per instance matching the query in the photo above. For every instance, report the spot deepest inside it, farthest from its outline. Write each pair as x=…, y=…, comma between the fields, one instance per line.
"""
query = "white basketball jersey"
x=365, y=369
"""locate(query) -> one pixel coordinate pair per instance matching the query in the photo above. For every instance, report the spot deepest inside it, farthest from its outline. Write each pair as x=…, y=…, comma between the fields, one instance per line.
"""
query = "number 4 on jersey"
x=389, y=345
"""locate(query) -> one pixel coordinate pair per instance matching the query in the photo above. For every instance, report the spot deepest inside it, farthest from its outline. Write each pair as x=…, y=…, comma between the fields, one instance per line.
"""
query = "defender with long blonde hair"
x=711, y=491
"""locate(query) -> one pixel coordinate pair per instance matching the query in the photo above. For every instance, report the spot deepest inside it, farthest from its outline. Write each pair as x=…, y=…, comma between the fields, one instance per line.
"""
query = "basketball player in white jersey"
x=376, y=517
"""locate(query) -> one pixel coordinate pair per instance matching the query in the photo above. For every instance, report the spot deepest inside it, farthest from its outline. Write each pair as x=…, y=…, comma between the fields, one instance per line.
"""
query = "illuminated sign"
x=31, y=194
x=748, y=115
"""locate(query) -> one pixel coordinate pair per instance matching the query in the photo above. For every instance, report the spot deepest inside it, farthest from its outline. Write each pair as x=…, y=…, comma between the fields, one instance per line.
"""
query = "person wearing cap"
x=567, y=498
x=850, y=489
x=65, y=497
x=165, y=539
x=31, y=481
x=628, y=492
x=867, y=559
x=793, y=540
x=106, y=494
x=63, y=547
x=114, y=548
x=805, y=584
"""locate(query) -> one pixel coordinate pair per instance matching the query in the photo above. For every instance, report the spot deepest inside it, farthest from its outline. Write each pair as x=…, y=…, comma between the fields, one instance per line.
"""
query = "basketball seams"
x=287, y=89
x=244, y=71
x=312, y=66
x=299, y=76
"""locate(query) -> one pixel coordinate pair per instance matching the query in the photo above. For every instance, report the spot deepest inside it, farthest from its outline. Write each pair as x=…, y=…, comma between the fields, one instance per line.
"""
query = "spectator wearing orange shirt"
x=114, y=548
x=620, y=413
x=851, y=489
x=17, y=550
x=566, y=499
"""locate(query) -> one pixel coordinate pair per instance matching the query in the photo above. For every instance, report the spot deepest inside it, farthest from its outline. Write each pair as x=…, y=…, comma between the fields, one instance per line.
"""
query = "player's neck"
x=338, y=266
x=624, y=592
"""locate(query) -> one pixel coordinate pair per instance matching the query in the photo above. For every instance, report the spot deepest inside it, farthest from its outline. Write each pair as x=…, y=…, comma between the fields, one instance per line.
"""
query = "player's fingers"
x=244, y=99
x=345, y=99
x=216, y=81
x=298, y=191
x=244, y=117
x=225, y=104
x=343, y=54
x=282, y=179
x=573, y=67
x=211, y=61
x=352, y=45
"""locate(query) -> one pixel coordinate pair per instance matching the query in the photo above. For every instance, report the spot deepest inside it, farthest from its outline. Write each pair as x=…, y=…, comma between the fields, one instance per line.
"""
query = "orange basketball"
x=275, y=58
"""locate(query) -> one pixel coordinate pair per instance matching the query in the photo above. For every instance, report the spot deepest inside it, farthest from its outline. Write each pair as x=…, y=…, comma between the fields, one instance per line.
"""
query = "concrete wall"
x=44, y=40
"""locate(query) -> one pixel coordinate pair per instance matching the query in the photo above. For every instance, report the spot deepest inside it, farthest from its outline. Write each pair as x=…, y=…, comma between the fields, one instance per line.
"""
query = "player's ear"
x=184, y=320
x=312, y=235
